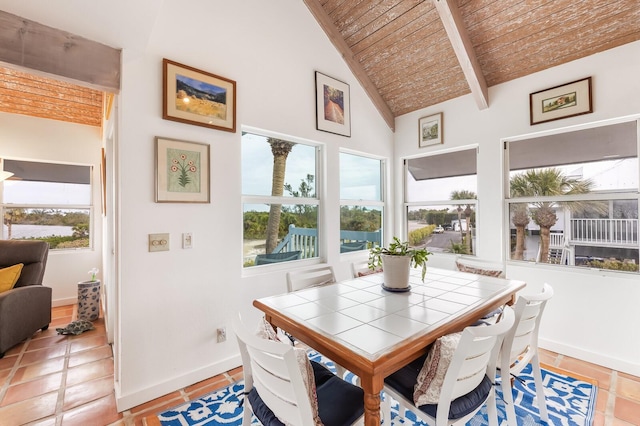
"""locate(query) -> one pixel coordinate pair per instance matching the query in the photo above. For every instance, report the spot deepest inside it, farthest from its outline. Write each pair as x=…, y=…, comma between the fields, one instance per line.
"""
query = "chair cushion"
x=431, y=375
x=9, y=277
x=340, y=403
x=404, y=380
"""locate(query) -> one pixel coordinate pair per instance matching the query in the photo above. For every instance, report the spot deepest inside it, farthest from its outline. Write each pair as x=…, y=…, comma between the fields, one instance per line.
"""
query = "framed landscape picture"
x=563, y=101
x=198, y=97
x=430, y=130
x=182, y=171
x=332, y=105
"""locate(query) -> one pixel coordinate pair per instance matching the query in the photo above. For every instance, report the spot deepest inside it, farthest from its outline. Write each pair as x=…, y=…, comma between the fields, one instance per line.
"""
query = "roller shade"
x=458, y=163
x=48, y=172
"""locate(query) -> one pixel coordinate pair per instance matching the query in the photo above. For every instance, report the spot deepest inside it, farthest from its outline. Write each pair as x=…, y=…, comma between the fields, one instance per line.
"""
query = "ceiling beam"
x=30, y=45
x=358, y=71
x=452, y=21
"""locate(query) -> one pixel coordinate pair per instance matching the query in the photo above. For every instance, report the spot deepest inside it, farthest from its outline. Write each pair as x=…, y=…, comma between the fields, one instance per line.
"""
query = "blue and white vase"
x=89, y=300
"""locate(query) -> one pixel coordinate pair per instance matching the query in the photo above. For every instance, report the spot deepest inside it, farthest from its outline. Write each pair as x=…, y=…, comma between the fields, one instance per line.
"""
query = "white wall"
x=170, y=303
x=31, y=138
x=593, y=315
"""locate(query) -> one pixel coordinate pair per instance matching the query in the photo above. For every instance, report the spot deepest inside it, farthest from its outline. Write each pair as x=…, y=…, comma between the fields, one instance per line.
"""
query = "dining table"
x=373, y=331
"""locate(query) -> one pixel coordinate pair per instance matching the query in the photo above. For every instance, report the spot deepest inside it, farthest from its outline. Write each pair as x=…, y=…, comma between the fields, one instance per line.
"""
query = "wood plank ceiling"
x=29, y=94
x=401, y=52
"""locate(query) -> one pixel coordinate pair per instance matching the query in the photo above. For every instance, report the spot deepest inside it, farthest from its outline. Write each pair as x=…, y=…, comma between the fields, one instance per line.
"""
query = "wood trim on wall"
x=28, y=44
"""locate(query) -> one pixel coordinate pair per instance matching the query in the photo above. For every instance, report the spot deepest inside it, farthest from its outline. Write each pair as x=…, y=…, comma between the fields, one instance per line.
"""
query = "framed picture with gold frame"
x=182, y=171
x=198, y=97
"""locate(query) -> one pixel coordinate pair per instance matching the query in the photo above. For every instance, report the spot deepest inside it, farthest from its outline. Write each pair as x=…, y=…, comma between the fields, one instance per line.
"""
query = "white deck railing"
x=619, y=232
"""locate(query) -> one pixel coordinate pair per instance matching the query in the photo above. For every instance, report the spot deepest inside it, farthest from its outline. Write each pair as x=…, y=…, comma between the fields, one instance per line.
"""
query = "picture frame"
x=333, y=105
x=566, y=100
x=197, y=97
x=182, y=171
x=430, y=130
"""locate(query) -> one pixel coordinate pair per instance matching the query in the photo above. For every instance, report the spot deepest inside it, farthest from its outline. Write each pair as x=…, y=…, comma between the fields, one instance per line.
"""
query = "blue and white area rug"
x=570, y=402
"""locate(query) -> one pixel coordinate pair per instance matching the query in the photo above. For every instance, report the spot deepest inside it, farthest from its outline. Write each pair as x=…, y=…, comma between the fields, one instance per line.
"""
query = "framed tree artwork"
x=430, y=130
x=333, y=109
x=566, y=100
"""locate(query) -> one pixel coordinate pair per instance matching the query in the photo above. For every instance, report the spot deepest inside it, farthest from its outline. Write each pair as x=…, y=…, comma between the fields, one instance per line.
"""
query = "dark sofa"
x=26, y=308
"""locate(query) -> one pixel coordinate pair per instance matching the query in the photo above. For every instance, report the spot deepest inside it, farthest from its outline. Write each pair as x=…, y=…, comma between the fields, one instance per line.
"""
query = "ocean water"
x=36, y=231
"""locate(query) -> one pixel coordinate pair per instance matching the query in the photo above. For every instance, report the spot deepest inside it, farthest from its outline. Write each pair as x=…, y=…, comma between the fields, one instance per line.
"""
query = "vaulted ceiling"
x=410, y=54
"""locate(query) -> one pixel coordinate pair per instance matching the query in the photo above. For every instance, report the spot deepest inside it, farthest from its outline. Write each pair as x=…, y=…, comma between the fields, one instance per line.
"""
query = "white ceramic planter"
x=89, y=300
x=396, y=271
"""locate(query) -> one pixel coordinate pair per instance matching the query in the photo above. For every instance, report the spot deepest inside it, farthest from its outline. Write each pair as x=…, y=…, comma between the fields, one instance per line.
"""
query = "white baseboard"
x=124, y=402
x=592, y=357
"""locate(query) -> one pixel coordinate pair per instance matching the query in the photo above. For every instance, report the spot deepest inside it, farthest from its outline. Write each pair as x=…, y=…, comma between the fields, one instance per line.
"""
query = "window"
x=280, y=202
x=440, y=201
x=574, y=198
x=47, y=201
x=361, y=202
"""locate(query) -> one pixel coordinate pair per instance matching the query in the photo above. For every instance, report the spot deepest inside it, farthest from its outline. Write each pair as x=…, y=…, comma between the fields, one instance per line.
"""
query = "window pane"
x=61, y=228
x=259, y=163
x=594, y=234
x=46, y=193
x=360, y=228
x=439, y=177
x=443, y=228
x=360, y=178
x=297, y=236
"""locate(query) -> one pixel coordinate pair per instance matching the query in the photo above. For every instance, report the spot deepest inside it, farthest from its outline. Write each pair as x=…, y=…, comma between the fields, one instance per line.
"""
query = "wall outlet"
x=222, y=334
x=187, y=240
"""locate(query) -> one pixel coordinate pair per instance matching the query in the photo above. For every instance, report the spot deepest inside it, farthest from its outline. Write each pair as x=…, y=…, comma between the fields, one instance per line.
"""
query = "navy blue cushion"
x=404, y=380
x=339, y=403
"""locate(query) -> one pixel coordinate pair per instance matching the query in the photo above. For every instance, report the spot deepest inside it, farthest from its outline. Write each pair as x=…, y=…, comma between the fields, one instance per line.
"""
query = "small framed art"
x=562, y=101
x=332, y=105
x=182, y=171
x=197, y=97
x=430, y=130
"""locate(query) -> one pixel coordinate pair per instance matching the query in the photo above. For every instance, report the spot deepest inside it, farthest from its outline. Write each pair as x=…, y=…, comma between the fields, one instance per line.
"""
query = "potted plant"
x=396, y=261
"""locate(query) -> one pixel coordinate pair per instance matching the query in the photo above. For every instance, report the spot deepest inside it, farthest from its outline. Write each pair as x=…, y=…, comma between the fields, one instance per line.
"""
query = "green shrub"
x=613, y=264
x=419, y=236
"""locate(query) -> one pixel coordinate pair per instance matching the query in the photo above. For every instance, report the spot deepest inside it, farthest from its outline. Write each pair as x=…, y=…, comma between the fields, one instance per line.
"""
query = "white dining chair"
x=310, y=277
x=520, y=347
x=468, y=379
x=282, y=386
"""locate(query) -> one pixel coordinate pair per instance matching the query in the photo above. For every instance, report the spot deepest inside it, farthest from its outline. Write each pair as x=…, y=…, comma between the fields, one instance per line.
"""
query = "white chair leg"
x=492, y=410
x=507, y=396
x=542, y=401
x=247, y=413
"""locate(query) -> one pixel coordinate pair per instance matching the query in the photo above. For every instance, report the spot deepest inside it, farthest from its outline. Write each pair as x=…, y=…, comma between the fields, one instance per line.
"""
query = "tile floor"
x=54, y=380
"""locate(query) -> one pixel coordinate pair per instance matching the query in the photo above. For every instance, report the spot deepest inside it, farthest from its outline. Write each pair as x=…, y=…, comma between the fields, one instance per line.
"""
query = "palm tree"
x=543, y=183
x=465, y=195
x=280, y=150
x=12, y=216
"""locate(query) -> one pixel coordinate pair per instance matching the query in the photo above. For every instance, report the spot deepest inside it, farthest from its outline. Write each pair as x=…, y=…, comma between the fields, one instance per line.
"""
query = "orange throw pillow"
x=9, y=276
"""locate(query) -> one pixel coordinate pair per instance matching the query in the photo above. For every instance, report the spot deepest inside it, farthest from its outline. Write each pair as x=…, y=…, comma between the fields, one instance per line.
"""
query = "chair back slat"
x=297, y=280
x=272, y=368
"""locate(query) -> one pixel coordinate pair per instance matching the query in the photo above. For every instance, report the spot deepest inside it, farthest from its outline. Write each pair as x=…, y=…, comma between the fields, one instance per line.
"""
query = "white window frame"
x=622, y=194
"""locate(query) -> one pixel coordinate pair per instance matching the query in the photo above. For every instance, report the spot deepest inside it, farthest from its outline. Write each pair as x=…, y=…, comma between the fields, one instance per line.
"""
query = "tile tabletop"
x=360, y=314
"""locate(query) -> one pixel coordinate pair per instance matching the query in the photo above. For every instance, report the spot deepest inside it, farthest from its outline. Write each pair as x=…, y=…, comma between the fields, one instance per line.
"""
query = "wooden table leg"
x=372, y=387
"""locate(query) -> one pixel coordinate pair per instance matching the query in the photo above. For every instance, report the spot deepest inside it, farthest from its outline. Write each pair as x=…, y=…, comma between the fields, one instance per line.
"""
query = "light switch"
x=187, y=240
x=159, y=242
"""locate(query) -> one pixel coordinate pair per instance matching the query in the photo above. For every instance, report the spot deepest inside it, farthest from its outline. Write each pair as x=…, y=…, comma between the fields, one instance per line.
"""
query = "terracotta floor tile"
x=96, y=413
x=598, y=419
x=173, y=396
x=548, y=357
x=88, y=341
x=155, y=409
x=628, y=376
x=90, y=371
x=46, y=342
x=29, y=410
x=90, y=356
x=8, y=362
x=601, y=374
x=627, y=410
x=51, y=421
x=14, y=350
x=207, y=389
x=87, y=391
x=43, y=354
x=32, y=388
x=601, y=401
x=38, y=369
x=618, y=422
x=4, y=374
x=629, y=389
